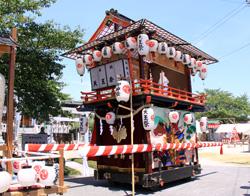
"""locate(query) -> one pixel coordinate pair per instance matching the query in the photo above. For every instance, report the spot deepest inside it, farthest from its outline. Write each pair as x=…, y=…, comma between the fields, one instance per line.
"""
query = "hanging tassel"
x=111, y=129
x=221, y=149
x=101, y=127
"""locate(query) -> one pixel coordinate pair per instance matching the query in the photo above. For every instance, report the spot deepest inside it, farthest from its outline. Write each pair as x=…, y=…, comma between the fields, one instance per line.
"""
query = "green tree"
x=223, y=104
x=38, y=62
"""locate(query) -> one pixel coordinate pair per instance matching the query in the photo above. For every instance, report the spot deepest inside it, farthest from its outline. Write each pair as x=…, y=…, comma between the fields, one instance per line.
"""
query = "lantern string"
x=124, y=116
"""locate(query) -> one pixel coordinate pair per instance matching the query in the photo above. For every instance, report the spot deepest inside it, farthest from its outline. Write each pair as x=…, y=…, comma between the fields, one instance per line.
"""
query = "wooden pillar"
x=10, y=102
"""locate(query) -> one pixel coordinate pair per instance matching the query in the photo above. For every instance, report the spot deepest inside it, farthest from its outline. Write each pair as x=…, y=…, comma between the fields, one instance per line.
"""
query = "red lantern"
x=173, y=117
x=131, y=43
x=118, y=48
x=80, y=67
x=188, y=118
x=199, y=65
x=153, y=45
x=87, y=59
x=97, y=55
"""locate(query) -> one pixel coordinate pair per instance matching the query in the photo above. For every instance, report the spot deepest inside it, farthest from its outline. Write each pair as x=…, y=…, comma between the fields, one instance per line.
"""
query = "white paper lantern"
x=178, y=57
x=87, y=59
x=203, y=72
x=37, y=166
x=143, y=48
x=118, y=48
x=153, y=45
x=192, y=63
x=106, y=52
x=27, y=177
x=186, y=59
x=17, y=165
x=199, y=65
x=5, y=181
x=171, y=52
x=80, y=67
x=110, y=118
x=173, y=116
x=162, y=48
x=131, y=43
x=97, y=55
x=122, y=91
x=47, y=175
x=194, y=71
x=148, y=117
x=188, y=119
x=203, y=124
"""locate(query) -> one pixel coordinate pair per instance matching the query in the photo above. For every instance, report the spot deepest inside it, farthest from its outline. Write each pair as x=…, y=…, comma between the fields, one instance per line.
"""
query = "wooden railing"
x=146, y=87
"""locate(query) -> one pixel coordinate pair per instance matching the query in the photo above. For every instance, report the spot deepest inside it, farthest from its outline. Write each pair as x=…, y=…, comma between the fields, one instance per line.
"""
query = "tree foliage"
x=223, y=104
x=38, y=61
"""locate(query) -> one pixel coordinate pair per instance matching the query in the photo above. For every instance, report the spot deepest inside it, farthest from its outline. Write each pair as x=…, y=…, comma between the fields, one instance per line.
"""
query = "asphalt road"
x=214, y=180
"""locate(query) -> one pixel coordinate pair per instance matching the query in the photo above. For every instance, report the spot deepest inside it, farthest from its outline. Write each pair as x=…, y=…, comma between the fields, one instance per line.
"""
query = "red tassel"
x=221, y=149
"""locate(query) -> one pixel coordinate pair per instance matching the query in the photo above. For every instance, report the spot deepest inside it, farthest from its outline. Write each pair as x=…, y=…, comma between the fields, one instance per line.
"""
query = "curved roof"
x=109, y=34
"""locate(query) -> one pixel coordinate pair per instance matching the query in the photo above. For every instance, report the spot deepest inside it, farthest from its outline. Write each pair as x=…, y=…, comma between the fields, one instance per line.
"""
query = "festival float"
x=145, y=127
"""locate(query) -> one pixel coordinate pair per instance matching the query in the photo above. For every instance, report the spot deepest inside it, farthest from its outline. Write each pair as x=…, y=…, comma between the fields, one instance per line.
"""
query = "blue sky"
x=187, y=19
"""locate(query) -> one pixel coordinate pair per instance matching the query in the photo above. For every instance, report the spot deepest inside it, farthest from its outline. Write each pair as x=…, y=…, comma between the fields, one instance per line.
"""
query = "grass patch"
x=243, y=159
x=71, y=172
x=91, y=164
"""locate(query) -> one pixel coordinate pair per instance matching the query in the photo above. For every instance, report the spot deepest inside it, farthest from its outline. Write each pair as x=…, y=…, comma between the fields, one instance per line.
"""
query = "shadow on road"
x=85, y=181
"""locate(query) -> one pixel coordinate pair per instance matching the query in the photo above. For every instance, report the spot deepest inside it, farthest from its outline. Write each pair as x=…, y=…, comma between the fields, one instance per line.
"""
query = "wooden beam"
x=37, y=192
x=4, y=49
x=10, y=102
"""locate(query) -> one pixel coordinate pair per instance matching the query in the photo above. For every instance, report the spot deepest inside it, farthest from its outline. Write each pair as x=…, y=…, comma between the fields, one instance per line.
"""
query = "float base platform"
x=149, y=180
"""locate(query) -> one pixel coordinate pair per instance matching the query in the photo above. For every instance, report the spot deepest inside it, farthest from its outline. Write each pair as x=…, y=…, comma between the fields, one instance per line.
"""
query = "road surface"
x=229, y=180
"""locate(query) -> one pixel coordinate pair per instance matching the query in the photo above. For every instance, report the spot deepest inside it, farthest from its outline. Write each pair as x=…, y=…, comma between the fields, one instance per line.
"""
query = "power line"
x=219, y=23
x=235, y=51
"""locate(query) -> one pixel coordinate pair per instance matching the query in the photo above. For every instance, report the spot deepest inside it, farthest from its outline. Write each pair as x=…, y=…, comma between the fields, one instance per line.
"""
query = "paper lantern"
x=27, y=177
x=106, y=52
x=188, y=119
x=47, y=175
x=110, y=118
x=97, y=55
x=203, y=124
x=87, y=59
x=199, y=65
x=122, y=91
x=193, y=71
x=37, y=166
x=171, y=52
x=162, y=48
x=118, y=48
x=143, y=48
x=153, y=45
x=173, y=117
x=178, y=57
x=203, y=72
x=5, y=180
x=17, y=165
x=148, y=117
x=186, y=59
x=131, y=43
x=192, y=63
x=80, y=67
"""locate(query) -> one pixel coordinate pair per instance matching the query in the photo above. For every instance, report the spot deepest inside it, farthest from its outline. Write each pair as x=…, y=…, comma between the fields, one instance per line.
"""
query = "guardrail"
x=146, y=87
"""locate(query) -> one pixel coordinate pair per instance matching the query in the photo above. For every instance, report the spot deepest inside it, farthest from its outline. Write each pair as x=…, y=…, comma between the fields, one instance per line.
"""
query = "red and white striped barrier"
x=94, y=151
x=51, y=147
